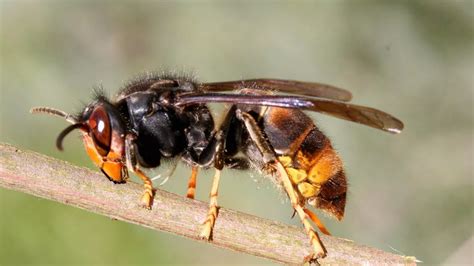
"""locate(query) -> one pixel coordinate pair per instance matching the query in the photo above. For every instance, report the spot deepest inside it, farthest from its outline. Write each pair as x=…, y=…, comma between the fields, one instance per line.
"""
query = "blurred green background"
x=410, y=194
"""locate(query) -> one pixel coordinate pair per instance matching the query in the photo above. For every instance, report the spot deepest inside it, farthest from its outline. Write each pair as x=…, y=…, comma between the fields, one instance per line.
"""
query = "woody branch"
x=49, y=178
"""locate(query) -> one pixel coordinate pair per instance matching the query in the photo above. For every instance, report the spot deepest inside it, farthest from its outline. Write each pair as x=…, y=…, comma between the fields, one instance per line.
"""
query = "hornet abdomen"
x=311, y=162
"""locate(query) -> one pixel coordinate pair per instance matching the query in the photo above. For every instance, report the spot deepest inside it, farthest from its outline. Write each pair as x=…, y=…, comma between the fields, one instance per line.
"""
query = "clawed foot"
x=313, y=258
x=208, y=225
x=205, y=233
x=319, y=251
x=147, y=200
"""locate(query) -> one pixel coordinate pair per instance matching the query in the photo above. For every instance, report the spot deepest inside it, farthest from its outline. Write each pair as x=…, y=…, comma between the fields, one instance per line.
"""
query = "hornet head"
x=103, y=133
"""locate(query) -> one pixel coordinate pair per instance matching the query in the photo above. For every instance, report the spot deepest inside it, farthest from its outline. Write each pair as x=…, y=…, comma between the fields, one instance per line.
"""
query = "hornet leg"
x=219, y=162
x=208, y=225
x=147, y=198
x=192, y=183
x=318, y=248
x=269, y=158
x=316, y=221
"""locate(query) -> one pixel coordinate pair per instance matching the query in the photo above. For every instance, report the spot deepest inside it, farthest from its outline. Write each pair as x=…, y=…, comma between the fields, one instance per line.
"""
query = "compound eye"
x=99, y=126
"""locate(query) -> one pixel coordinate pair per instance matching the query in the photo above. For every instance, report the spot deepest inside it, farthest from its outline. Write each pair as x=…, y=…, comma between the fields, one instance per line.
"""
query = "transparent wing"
x=289, y=86
x=360, y=114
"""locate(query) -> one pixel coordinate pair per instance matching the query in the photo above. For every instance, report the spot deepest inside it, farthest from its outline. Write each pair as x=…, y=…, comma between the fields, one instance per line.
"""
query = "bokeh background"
x=410, y=194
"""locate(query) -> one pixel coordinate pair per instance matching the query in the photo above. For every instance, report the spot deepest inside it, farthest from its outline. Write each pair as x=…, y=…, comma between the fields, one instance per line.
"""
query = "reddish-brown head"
x=103, y=133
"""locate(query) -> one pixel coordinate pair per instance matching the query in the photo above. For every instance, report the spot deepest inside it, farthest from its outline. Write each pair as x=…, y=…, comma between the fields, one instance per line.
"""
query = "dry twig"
x=49, y=178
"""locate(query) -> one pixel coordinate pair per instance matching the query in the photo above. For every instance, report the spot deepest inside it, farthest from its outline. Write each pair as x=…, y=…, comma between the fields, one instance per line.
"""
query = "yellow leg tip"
x=319, y=252
x=313, y=258
x=205, y=231
x=146, y=201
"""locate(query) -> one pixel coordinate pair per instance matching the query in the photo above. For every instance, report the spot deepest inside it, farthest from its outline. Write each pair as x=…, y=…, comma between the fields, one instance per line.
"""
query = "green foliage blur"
x=410, y=194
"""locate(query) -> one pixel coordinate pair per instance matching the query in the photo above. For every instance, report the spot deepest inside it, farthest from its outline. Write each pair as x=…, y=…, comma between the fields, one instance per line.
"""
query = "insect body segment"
x=159, y=118
x=307, y=167
x=311, y=163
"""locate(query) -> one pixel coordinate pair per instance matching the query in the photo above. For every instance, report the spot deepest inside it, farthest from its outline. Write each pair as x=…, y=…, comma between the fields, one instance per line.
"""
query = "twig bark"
x=49, y=178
